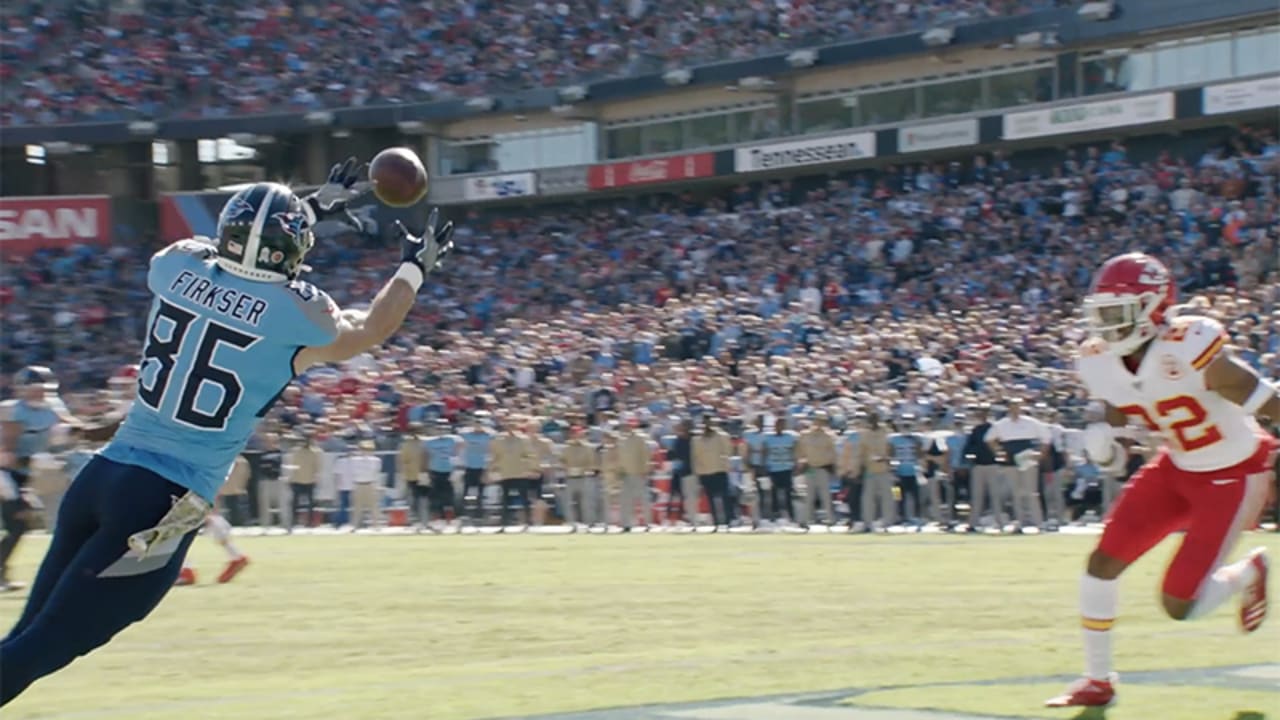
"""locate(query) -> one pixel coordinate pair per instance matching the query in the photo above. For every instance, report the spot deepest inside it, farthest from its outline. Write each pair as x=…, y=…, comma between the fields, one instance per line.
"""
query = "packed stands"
x=216, y=58
x=938, y=285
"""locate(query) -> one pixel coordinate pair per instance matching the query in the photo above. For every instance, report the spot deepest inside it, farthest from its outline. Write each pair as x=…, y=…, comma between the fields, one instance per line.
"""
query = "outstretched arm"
x=1228, y=376
x=358, y=332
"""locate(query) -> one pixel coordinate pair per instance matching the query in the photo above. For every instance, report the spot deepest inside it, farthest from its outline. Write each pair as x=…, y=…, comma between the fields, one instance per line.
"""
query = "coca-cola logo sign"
x=655, y=170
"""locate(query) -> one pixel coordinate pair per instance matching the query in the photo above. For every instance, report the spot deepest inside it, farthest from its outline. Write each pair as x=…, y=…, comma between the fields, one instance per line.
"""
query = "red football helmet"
x=1129, y=300
x=123, y=381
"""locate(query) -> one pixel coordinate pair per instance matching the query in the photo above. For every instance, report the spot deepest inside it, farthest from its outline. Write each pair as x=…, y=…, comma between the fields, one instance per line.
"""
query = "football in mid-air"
x=398, y=177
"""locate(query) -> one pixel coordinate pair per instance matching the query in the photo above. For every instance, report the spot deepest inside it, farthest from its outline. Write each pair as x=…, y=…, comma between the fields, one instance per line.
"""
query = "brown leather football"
x=398, y=177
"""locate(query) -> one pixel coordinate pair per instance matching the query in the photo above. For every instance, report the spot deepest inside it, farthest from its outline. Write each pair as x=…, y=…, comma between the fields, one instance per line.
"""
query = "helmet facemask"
x=1124, y=322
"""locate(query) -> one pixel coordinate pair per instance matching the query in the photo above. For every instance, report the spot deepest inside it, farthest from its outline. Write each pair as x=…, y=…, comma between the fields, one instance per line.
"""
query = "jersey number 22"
x=165, y=339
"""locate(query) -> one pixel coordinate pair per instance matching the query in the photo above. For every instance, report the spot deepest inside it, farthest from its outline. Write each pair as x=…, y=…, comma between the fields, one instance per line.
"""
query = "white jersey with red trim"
x=1202, y=430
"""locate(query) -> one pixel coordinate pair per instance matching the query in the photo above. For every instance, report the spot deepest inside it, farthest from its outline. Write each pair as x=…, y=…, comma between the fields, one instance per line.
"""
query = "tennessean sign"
x=818, y=151
x=31, y=223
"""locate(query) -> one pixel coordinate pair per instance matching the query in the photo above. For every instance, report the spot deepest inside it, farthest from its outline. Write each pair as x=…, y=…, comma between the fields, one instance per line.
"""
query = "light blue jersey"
x=219, y=352
x=35, y=421
x=754, y=440
x=74, y=461
x=780, y=451
x=440, y=452
x=475, y=448
x=955, y=450
x=904, y=450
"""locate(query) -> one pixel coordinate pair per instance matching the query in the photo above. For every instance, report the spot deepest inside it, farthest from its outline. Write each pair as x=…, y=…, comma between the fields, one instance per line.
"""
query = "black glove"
x=329, y=201
x=426, y=252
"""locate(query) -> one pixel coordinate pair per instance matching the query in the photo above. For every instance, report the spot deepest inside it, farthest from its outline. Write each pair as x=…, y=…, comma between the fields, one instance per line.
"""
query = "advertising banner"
x=1245, y=95
x=31, y=223
x=957, y=133
x=563, y=180
x=657, y=170
x=1084, y=117
x=830, y=149
x=499, y=187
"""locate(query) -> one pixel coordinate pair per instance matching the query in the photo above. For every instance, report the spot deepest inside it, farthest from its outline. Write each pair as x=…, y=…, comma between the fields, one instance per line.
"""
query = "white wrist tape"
x=1259, y=397
x=411, y=274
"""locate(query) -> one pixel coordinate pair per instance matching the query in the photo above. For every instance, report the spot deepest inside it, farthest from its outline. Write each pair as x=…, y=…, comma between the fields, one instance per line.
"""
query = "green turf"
x=476, y=627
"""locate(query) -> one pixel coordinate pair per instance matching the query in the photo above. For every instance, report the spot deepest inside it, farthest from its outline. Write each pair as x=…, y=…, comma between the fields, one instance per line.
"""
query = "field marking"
x=338, y=689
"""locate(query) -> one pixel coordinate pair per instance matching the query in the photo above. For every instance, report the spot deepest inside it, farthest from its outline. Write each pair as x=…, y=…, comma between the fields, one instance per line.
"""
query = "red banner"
x=30, y=223
x=658, y=170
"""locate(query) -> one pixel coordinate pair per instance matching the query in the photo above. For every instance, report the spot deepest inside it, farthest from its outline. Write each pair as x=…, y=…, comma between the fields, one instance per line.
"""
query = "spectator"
x=987, y=481
x=1057, y=475
x=710, y=454
x=362, y=471
x=540, y=459
x=581, y=483
x=235, y=492
x=510, y=459
x=878, y=508
x=1012, y=438
x=477, y=442
x=905, y=449
x=302, y=467
x=849, y=468
x=780, y=461
x=816, y=450
x=753, y=442
x=635, y=460
x=228, y=58
x=684, y=483
x=412, y=475
x=441, y=449
x=270, y=489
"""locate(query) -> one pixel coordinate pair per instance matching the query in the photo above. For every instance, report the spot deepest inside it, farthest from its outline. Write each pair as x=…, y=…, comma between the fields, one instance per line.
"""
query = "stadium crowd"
x=86, y=60
x=916, y=292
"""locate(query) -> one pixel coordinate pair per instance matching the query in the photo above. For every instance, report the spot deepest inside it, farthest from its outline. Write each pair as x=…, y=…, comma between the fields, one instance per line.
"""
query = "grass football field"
x=451, y=627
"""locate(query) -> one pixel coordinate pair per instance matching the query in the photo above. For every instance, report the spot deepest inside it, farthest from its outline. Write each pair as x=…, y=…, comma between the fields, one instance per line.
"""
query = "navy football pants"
x=72, y=608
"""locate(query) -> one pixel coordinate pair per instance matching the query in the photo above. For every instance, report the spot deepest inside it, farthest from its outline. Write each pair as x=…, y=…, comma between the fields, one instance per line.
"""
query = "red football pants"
x=1213, y=507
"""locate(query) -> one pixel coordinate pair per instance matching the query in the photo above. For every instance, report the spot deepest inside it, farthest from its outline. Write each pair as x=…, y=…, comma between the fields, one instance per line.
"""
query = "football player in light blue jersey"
x=230, y=326
x=441, y=449
x=905, y=447
x=26, y=423
x=476, y=439
x=754, y=441
x=957, y=464
x=780, y=460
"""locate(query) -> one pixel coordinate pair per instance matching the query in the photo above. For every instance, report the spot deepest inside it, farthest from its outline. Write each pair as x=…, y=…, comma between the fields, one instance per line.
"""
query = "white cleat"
x=1253, y=600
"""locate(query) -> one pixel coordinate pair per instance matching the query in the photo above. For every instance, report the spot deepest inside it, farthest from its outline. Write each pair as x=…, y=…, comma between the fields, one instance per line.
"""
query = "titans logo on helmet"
x=237, y=208
x=292, y=222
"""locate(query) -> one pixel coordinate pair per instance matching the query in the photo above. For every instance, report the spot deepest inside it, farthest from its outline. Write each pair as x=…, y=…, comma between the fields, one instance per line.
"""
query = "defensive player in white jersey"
x=1175, y=375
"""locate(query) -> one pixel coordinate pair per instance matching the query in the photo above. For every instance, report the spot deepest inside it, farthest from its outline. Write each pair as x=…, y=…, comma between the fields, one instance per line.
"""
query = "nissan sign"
x=30, y=223
x=839, y=148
